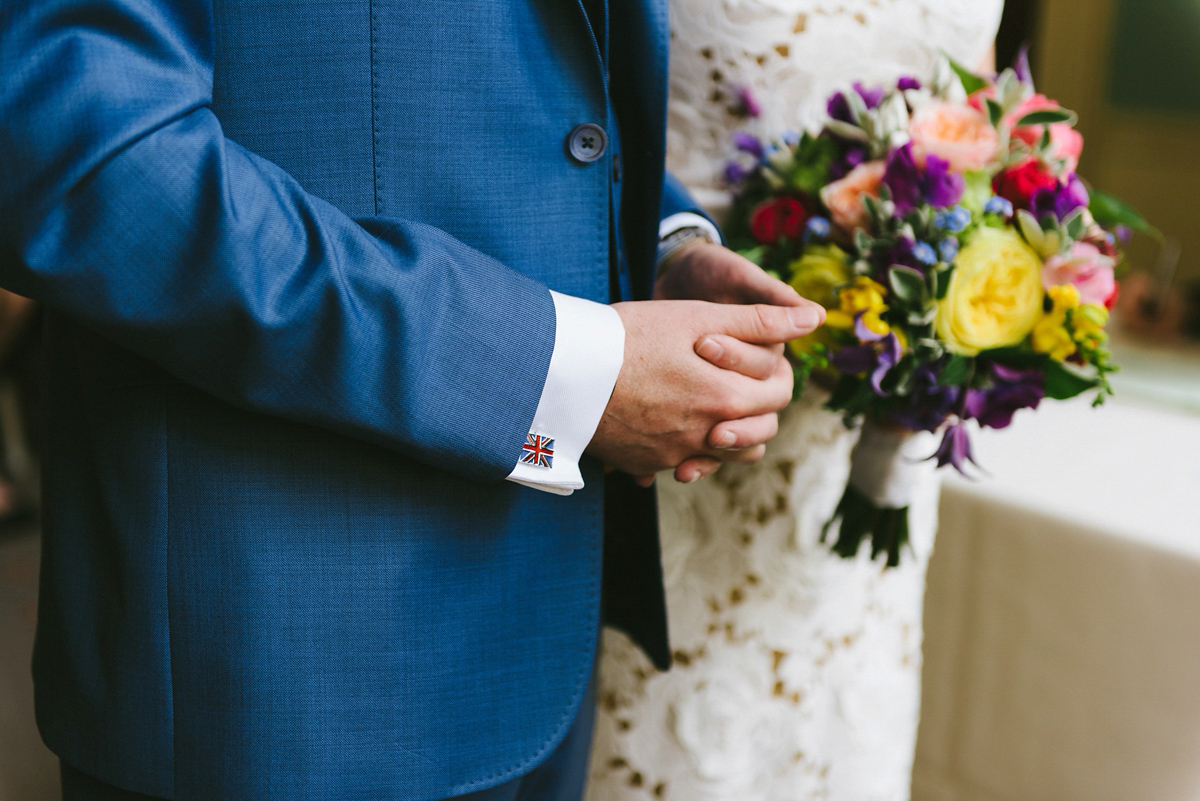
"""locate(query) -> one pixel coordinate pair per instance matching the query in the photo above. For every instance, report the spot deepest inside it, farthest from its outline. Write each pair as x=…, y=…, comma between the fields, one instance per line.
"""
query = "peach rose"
x=957, y=133
x=844, y=197
x=1065, y=142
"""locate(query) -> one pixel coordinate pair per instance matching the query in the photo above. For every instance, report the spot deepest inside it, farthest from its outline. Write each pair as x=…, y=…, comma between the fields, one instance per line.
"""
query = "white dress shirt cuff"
x=688, y=219
x=589, y=349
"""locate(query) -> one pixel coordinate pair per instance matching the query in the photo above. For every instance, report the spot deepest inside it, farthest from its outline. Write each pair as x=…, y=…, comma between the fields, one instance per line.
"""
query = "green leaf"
x=872, y=206
x=903, y=378
x=851, y=396
x=971, y=82
x=1016, y=356
x=1047, y=117
x=1110, y=211
x=957, y=371
x=1063, y=383
x=920, y=318
x=995, y=112
x=908, y=285
x=755, y=255
x=862, y=242
x=978, y=191
x=1074, y=224
x=943, y=283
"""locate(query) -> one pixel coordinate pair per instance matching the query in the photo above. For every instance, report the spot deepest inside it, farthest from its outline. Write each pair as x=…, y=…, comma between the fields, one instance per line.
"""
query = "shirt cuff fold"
x=589, y=349
x=688, y=219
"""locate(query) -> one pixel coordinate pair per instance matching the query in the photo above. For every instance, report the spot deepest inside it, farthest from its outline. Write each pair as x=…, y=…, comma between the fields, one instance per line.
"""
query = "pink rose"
x=1085, y=267
x=844, y=198
x=1065, y=142
x=954, y=132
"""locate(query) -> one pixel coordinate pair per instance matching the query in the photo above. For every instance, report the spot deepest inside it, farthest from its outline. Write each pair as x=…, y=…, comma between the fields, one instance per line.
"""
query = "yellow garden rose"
x=995, y=294
x=820, y=271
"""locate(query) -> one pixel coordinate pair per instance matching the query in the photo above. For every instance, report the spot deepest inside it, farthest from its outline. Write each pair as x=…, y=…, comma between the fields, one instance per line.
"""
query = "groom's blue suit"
x=297, y=257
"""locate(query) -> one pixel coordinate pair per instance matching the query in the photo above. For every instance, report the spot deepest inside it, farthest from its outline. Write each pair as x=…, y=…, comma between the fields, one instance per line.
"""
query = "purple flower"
x=929, y=404
x=856, y=360
x=1011, y=390
x=744, y=103
x=908, y=82
x=1124, y=233
x=941, y=186
x=871, y=97
x=955, y=449
x=838, y=108
x=903, y=178
x=735, y=173
x=1021, y=67
x=877, y=356
x=911, y=186
x=748, y=143
x=853, y=156
x=903, y=252
x=1062, y=201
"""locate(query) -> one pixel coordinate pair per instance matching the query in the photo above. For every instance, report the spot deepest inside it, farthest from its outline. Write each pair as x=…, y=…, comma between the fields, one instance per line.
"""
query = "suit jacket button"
x=587, y=143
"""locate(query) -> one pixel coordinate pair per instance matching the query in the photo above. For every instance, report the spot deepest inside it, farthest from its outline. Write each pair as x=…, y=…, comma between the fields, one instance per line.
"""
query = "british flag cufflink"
x=538, y=451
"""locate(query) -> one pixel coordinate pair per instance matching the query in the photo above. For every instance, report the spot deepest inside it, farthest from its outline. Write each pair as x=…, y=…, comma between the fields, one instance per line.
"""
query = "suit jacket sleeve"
x=677, y=200
x=123, y=205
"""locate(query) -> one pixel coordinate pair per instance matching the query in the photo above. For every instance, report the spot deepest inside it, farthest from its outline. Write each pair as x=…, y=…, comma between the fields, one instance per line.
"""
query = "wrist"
x=680, y=242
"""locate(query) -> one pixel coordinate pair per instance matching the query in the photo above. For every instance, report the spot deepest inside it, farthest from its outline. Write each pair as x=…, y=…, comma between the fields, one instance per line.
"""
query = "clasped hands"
x=705, y=374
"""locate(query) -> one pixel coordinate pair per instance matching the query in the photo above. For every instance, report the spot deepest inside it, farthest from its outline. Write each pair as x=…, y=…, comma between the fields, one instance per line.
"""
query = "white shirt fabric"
x=589, y=349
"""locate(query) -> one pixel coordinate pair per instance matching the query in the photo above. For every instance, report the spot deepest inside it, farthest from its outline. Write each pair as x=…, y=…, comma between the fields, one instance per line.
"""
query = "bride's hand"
x=711, y=272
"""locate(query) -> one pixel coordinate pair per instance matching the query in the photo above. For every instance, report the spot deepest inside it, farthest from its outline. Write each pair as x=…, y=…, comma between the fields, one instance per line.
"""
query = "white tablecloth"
x=1062, y=651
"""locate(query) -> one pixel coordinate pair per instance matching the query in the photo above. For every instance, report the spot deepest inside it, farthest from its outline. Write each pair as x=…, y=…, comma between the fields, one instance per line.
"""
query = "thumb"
x=769, y=325
x=759, y=286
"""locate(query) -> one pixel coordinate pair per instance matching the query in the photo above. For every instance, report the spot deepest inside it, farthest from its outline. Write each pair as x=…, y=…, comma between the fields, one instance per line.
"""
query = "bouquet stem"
x=885, y=468
x=861, y=518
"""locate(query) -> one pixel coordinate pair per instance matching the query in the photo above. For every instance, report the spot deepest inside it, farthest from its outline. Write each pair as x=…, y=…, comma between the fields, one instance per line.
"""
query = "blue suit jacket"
x=297, y=256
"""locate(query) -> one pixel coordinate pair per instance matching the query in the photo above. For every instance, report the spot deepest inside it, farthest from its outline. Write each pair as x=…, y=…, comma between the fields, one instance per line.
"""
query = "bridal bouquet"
x=967, y=270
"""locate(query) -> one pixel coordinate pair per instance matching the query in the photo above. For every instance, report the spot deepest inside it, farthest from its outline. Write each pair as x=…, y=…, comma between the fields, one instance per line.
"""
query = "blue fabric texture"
x=676, y=199
x=296, y=258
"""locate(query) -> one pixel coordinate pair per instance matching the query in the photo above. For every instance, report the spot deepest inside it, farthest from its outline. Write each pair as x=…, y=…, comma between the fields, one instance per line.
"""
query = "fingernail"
x=802, y=316
x=727, y=440
x=710, y=349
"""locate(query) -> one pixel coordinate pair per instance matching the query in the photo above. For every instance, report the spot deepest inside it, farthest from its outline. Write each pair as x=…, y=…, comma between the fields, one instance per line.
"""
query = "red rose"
x=775, y=219
x=1019, y=184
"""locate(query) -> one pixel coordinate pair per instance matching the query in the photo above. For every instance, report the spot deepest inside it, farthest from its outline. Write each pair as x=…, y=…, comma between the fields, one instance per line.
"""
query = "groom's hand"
x=712, y=272
x=670, y=396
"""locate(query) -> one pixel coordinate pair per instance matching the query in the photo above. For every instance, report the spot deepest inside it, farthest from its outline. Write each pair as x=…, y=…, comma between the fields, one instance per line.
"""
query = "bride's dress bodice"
x=797, y=674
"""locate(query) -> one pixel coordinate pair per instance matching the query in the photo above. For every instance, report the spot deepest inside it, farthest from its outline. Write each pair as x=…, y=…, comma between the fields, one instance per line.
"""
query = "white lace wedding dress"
x=797, y=673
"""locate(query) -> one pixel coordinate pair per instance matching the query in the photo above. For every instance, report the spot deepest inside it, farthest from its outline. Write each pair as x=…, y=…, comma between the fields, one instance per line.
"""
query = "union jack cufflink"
x=538, y=451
